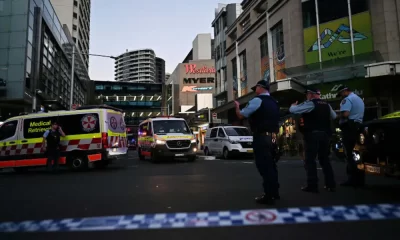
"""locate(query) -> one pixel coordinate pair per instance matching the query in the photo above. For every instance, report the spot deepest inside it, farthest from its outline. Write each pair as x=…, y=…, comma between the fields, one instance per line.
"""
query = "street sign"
x=214, y=116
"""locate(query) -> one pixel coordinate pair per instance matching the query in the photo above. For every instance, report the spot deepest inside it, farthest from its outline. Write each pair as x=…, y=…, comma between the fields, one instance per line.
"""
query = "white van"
x=227, y=141
x=94, y=134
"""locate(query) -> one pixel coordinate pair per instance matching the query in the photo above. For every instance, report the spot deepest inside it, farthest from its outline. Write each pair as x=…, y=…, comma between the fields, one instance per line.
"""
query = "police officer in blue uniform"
x=317, y=115
x=351, y=117
x=263, y=114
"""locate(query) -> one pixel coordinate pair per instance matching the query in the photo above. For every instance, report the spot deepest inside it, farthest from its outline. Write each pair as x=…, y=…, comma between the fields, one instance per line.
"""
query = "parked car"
x=377, y=150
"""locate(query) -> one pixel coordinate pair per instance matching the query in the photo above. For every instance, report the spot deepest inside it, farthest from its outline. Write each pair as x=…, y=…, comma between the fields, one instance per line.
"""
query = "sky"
x=167, y=27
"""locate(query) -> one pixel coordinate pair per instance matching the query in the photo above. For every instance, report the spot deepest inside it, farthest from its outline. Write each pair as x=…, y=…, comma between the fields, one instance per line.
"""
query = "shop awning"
x=242, y=100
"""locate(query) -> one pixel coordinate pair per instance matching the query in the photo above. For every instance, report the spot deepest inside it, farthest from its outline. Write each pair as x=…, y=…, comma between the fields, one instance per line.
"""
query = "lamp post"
x=71, y=98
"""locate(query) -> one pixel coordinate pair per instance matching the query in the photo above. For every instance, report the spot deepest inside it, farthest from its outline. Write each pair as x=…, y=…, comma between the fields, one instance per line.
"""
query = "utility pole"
x=71, y=100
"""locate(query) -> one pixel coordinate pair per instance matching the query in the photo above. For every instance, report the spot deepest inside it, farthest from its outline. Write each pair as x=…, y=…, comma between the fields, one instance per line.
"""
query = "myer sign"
x=328, y=92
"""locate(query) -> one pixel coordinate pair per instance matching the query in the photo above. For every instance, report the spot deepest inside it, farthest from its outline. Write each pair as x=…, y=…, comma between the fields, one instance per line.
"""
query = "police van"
x=227, y=141
x=94, y=134
x=166, y=137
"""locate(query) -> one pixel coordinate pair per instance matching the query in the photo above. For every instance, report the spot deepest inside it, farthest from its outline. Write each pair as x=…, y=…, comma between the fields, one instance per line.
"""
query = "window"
x=237, y=131
x=309, y=14
x=246, y=23
x=8, y=129
x=221, y=133
x=213, y=133
x=278, y=42
x=35, y=127
x=80, y=123
x=359, y=6
x=171, y=126
x=264, y=45
x=75, y=3
x=75, y=15
x=74, y=39
x=74, y=27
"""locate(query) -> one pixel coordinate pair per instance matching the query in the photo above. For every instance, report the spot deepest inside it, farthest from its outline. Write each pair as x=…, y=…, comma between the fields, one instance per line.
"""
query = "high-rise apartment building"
x=139, y=66
x=76, y=15
x=225, y=16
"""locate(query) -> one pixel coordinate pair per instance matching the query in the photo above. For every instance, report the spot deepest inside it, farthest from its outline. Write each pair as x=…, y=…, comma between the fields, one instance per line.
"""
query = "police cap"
x=310, y=90
x=341, y=89
x=261, y=83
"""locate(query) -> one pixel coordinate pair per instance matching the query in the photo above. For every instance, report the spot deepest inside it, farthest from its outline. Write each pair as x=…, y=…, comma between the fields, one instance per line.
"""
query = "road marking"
x=302, y=215
x=248, y=162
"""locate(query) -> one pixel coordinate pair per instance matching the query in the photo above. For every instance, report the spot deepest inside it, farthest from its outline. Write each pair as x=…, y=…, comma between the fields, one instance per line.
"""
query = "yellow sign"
x=40, y=126
x=335, y=38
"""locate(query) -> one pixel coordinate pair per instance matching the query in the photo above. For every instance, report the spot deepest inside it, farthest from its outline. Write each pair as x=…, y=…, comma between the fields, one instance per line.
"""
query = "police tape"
x=302, y=215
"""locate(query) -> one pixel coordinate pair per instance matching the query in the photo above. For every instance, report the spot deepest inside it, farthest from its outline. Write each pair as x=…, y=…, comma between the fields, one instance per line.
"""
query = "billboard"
x=336, y=40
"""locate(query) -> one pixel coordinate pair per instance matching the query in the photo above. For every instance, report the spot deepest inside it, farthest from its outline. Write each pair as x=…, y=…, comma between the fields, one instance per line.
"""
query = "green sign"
x=361, y=87
x=336, y=40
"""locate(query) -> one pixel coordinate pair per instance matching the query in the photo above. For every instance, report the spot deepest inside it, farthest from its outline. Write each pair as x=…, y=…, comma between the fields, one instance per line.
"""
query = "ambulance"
x=161, y=138
x=95, y=135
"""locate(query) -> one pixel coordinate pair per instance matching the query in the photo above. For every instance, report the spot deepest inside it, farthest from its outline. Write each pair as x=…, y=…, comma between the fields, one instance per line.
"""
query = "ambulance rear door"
x=9, y=143
x=116, y=132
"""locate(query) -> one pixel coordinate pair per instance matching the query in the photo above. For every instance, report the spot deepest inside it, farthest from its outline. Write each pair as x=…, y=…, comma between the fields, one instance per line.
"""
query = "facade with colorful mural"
x=336, y=40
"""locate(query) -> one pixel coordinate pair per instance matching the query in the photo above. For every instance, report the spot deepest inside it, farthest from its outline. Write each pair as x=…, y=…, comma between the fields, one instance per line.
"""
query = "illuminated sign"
x=198, y=80
x=195, y=89
x=192, y=69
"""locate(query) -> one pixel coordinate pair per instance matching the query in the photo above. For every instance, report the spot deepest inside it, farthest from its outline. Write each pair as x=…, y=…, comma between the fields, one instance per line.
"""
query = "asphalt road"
x=134, y=187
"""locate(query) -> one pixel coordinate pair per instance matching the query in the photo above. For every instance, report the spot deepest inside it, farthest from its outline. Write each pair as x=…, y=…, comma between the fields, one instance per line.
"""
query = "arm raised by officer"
x=317, y=115
x=263, y=114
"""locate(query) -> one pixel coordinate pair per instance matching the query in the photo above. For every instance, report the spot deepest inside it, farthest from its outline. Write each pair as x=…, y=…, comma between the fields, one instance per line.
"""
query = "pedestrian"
x=51, y=145
x=263, y=114
x=317, y=115
x=351, y=117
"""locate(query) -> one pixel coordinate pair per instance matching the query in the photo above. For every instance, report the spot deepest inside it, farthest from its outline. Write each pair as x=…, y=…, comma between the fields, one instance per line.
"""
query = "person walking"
x=317, y=115
x=351, y=117
x=51, y=145
x=263, y=114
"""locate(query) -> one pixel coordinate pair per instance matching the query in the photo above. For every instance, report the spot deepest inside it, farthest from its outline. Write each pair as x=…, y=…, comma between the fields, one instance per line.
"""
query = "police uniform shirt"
x=355, y=106
x=307, y=107
x=252, y=106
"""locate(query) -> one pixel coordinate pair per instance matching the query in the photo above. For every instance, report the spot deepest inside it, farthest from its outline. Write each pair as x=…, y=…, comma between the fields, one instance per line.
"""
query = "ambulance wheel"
x=141, y=157
x=78, y=162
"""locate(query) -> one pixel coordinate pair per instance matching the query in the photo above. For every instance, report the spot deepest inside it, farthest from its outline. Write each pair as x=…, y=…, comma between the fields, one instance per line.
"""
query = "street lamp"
x=71, y=100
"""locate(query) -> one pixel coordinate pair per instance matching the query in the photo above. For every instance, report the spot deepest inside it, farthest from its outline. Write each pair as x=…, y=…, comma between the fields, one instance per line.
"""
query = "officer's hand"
x=294, y=104
x=237, y=104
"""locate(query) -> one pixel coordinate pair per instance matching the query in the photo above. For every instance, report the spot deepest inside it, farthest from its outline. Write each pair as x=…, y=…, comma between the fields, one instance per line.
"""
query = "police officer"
x=263, y=114
x=51, y=144
x=351, y=116
x=317, y=115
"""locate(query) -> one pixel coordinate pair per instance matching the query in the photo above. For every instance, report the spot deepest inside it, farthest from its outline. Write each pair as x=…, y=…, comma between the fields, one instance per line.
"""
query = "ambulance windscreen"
x=170, y=126
x=237, y=132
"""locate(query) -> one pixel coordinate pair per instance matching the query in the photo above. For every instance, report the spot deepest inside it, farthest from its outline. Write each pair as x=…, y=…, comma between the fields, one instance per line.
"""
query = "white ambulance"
x=94, y=135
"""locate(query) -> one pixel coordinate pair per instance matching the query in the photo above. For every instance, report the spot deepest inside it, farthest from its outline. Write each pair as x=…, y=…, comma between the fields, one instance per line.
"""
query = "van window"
x=143, y=128
x=221, y=133
x=80, y=123
x=8, y=129
x=170, y=126
x=237, y=132
x=213, y=133
x=35, y=127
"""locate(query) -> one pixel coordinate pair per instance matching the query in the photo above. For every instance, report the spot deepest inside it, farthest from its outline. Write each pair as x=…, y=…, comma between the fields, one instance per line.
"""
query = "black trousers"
x=266, y=165
x=53, y=155
x=350, y=135
x=317, y=144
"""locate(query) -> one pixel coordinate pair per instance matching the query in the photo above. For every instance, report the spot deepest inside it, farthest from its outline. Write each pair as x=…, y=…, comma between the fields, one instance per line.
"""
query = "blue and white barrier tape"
x=212, y=219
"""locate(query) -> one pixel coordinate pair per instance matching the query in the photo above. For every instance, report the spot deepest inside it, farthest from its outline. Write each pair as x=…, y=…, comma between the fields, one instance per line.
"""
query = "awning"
x=242, y=100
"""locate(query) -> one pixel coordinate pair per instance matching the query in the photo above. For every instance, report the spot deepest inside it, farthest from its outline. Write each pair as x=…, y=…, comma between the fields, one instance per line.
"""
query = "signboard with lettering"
x=194, y=69
x=197, y=80
x=196, y=89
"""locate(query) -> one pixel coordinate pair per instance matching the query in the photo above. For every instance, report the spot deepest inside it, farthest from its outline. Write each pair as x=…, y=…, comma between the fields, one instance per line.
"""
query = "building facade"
x=139, y=66
x=225, y=15
x=76, y=15
x=36, y=59
x=294, y=44
x=160, y=70
x=194, y=76
x=138, y=100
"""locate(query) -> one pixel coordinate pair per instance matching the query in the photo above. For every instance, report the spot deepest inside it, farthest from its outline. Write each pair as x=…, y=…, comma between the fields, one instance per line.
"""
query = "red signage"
x=192, y=69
